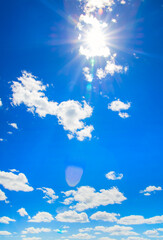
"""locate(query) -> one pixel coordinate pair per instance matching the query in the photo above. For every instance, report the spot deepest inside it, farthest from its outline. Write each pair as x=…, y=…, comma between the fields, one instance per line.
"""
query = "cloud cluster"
x=30, y=91
x=4, y=233
x=150, y=189
x=42, y=217
x=72, y=216
x=119, y=106
x=82, y=236
x=116, y=230
x=138, y=219
x=110, y=68
x=33, y=230
x=93, y=5
x=87, y=197
x=14, y=182
x=1, y=103
x=105, y=216
x=3, y=196
x=113, y=176
x=6, y=220
x=22, y=212
x=49, y=194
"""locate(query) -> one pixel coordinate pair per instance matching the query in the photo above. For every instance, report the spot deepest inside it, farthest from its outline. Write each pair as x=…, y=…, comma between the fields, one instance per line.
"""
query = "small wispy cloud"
x=113, y=176
x=49, y=194
x=150, y=189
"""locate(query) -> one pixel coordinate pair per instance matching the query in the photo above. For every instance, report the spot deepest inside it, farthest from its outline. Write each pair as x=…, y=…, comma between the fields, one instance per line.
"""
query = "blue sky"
x=81, y=119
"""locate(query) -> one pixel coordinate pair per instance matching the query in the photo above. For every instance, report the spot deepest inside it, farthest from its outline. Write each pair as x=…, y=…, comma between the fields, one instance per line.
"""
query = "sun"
x=95, y=42
x=95, y=39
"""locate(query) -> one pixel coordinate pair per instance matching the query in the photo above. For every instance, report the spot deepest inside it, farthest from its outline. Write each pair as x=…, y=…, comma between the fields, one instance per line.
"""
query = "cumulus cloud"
x=1, y=103
x=151, y=233
x=135, y=238
x=105, y=216
x=6, y=220
x=33, y=230
x=113, y=176
x=111, y=68
x=3, y=196
x=106, y=238
x=82, y=236
x=72, y=216
x=4, y=233
x=118, y=106
x=150, y=189
x=23, y=212
x=116, y=230
x=14, y=125
x=123, y=115
x=138, y=219
x=32, y=238
x=87, y=74
x=49, y=194
x=1, y=139
x=42, y=217
x=87, y=197
x=14, y=182
x=90, y=6
x=30, y=91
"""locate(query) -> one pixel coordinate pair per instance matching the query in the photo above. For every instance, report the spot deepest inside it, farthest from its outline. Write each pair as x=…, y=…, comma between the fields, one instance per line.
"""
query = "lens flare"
x=73, y=175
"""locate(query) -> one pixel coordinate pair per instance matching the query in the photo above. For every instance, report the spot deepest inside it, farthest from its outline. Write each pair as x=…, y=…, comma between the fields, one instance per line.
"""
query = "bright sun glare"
x=95, y=43
x=95, y=39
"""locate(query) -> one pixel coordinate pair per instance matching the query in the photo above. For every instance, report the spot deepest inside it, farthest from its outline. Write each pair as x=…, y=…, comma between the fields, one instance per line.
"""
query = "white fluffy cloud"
x=150, y=189
x=135, y=238
x=6, y=220
x=42, y=217
x=14, y=125
x=30, y=91
x=1, y=103
x=138, y=219
x=113, y=176
x=3, y=196
x=14, y=182
x=87, y=197
x=93, y=5
x=118, y=106
x=82, y=236
x=4, y=233
x=49, y=194
x=123, y=115
x=87, y=74
x=33, y=230
x=116, y=230
x=106, y=238
x=32, y=238
x=105, y=216
x=110, y=68
x=23, y=212
x=72, y=216
x=151, y=233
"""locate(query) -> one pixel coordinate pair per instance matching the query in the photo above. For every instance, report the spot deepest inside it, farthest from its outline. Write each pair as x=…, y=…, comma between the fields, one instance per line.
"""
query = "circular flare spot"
x=73, y=175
